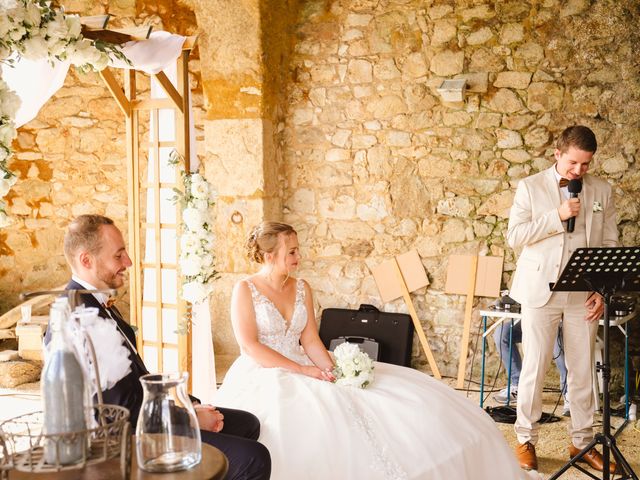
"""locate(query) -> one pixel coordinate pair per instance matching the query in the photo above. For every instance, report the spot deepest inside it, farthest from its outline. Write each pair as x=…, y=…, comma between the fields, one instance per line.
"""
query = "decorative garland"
x=33, y=29
x=197, y=261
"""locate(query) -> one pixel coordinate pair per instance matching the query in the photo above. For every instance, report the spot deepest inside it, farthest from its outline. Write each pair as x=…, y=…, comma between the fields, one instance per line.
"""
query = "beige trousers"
x=539, y=330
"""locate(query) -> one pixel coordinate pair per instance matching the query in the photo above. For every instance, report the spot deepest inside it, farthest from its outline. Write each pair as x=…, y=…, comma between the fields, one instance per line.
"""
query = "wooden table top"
x=214, y=466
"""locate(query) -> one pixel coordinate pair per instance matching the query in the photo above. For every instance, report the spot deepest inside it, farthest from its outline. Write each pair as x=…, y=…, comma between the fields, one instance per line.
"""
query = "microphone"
x=574, y=187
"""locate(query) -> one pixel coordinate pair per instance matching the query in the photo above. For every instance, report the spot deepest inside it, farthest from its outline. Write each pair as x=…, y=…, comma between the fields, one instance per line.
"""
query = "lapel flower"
x=597, y=206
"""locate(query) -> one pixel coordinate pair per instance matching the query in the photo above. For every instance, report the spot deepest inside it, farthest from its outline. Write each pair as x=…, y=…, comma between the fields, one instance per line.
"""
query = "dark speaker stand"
x=605, y=271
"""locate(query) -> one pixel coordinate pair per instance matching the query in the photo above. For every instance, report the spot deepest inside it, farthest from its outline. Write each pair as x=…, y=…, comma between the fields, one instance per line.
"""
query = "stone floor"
x=554, y=438
x=552, y=447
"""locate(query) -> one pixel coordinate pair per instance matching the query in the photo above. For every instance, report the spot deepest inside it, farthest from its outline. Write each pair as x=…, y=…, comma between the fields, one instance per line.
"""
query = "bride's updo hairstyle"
x=263, y=239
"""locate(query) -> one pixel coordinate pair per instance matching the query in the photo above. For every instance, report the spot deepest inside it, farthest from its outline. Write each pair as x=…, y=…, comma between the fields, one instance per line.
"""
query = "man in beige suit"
x=537, y=225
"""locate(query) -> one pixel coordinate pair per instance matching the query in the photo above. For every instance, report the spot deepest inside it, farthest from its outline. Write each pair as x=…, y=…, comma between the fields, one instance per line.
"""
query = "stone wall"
x=71, y=158
x=325, y=113
x=376, y=163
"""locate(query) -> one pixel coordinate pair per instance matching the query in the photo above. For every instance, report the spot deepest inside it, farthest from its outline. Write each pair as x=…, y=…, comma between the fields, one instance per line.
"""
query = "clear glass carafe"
x=167, y=433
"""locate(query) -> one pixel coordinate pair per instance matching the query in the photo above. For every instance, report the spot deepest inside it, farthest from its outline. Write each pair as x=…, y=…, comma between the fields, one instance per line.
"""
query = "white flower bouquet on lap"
x=353, y=367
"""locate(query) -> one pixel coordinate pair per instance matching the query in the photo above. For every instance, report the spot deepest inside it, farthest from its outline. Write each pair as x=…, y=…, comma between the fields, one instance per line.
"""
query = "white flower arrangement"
x=597, y=206
x=33, y=29
x=353, y=367
x=197, y=262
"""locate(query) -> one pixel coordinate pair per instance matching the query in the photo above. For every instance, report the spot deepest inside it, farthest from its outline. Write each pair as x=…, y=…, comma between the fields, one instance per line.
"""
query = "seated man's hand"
x=209, y=418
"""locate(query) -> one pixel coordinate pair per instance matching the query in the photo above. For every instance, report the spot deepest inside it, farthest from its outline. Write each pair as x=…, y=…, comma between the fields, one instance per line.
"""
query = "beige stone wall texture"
x=71, y=159
x=377, y=164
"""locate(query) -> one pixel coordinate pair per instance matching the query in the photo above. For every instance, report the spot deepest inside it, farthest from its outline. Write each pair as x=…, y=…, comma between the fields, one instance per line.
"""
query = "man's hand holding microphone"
x=571, y=207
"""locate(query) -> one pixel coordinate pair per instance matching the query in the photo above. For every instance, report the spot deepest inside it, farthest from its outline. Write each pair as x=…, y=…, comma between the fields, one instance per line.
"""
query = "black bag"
x=367, y=345
x=392, y=331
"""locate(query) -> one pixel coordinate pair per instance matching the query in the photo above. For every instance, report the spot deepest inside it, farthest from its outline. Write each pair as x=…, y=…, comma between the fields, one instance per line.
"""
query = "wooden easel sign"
x=471, y=275
x=397, y=278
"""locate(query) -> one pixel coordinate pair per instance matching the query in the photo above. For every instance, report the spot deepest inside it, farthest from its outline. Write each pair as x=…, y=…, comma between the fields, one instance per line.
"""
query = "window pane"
x=149, y=284
x=170, y=360
x=151, y=358
x=151, y=165
x=149, y=324
x=168, y=211
x=166, y=125
x=167, y=171
x=169, y=325
x=149, y=246
x=168, y=244
x=151, y=206
x=169, y=285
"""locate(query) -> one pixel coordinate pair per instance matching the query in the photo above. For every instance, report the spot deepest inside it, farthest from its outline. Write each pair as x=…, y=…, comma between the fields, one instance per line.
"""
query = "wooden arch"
x=131, y=104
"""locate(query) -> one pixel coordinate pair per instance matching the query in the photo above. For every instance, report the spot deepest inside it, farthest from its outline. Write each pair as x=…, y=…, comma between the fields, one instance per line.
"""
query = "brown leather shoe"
x=593, y=458
x=526, y=454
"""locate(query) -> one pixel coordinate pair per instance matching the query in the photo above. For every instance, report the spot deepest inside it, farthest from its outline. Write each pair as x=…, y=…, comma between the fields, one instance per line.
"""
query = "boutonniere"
x=597, y=206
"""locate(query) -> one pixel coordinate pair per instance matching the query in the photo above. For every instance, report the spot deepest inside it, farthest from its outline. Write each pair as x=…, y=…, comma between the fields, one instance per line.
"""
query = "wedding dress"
x=406, y=425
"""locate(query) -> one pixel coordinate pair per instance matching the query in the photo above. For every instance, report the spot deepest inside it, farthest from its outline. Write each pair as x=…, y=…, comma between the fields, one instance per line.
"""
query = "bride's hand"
x=314, y=372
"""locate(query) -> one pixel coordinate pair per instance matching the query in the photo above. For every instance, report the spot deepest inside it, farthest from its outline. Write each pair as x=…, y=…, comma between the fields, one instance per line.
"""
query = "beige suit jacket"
x=536, y=228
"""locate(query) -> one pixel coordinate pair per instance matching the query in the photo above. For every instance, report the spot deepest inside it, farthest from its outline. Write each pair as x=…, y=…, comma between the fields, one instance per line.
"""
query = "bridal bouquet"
x=353, y=367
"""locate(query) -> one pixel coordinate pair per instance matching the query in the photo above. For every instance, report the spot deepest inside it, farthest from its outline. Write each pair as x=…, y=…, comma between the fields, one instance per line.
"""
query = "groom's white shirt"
x=536, y=228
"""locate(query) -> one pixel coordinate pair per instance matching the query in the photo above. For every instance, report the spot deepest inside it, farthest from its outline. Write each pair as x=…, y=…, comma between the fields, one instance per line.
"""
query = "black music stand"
x=606, y=271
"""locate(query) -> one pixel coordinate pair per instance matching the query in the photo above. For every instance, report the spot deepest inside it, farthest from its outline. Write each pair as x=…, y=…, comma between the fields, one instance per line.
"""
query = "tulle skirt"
x=406, y=425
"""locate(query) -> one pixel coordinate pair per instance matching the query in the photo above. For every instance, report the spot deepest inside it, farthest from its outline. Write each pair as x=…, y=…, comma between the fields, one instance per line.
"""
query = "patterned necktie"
x=111, y=301
x=563, y=182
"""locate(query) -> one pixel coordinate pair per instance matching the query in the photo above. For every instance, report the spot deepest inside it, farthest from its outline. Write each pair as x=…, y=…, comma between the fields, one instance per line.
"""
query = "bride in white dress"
x=406, y=425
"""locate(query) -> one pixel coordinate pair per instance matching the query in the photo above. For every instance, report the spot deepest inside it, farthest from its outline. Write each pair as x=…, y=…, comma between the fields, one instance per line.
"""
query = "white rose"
x=6, y=184
x=7, y=134
x=199, y=187
x=9, y=102
x=194, y=292
x=190, y=265
x=73, y=25
x=35, y=48
x=4, y=153
x=83, y=53
x=193, y=219
x=102, y=62
x=4, y=23
x=58, y=29
x=4, y=187
x=189, y=242
x=33, y=16
x=8, y=4
x=17, y=33
x=16, y=13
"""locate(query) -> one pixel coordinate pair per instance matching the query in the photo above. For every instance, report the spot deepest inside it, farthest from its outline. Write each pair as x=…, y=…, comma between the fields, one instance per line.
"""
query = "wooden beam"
x=190, y=42
x=183, y=147
x=152, y=103
x=95, y=22
x=108, y=36
x=416, y=321
x=170, y=90
x=464, y=343
x=117, y=91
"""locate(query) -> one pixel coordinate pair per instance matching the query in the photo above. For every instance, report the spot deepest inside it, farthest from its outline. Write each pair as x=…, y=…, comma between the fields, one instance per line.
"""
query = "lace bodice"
x=274, y=331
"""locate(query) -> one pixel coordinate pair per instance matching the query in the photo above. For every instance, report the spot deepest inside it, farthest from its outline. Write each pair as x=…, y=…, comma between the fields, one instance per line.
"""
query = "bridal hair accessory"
x=353, y=367
x=597, y=206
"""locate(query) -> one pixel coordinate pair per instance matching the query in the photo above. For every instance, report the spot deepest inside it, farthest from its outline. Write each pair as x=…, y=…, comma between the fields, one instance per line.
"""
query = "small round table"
x=214, y=466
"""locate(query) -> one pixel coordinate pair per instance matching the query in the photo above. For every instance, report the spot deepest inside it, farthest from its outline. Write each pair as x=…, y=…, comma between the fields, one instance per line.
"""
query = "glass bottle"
x=63, y=394
x=167, y=433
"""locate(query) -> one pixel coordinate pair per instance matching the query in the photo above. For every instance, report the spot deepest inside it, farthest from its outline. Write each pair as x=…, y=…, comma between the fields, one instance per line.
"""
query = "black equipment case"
x=392, y=331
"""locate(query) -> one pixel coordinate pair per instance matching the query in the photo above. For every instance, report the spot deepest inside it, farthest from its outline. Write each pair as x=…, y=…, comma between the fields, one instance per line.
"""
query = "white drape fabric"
x=35, y=82
x=203, y=365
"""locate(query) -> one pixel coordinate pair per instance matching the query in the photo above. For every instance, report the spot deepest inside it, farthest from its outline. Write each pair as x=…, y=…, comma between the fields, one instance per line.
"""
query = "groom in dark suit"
x=95, y=250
